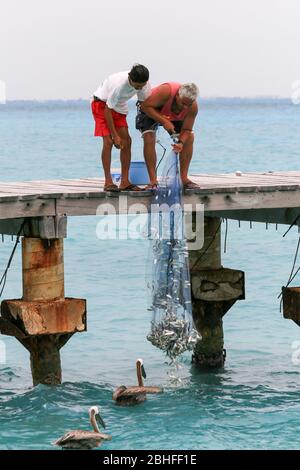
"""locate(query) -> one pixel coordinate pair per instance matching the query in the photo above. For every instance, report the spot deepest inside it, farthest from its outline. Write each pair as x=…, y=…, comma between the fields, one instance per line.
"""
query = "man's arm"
x=187, y=127
x=152, y=104
x=188, y=123
x=110, y=104
x=110, y=124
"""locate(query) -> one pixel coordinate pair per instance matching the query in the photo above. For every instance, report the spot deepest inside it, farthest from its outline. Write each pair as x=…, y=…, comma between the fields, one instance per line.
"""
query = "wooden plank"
x=90, y=206
x=234, y=201
x=225, y=191
x=278, y=173
x=71, y=186
x=34, y=208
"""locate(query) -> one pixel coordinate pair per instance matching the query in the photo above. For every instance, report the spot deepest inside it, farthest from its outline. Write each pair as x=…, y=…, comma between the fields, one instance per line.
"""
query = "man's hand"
x=177, y=147
x=117, y=141
x=169, y=126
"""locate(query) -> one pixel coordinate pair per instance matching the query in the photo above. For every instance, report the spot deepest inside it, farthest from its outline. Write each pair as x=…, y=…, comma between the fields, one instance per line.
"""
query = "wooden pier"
x=276, y=194
x=44, y=319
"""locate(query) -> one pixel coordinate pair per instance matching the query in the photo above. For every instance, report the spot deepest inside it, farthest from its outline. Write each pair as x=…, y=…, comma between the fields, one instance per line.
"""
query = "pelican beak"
x=100, y=421
x=143, y=372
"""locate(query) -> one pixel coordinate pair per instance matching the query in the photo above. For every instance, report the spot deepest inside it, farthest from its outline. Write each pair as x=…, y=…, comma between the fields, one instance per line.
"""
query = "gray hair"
x=189, y=90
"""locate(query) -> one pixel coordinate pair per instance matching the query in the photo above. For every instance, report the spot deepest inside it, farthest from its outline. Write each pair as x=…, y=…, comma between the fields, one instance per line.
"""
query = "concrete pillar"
x=42, y=269
x=214, y=290
x=45, y=358
x=43, y=320
x=209, y=352
x=209, y=256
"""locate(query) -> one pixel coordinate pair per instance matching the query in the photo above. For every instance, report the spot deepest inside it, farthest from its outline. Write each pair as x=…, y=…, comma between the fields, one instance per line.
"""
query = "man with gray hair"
x=173, y=106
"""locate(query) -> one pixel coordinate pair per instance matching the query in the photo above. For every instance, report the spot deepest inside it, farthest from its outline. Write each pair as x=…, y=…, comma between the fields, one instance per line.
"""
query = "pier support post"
x=43, y=320
x=45, y=357
x=214, y=290
x=291, y=303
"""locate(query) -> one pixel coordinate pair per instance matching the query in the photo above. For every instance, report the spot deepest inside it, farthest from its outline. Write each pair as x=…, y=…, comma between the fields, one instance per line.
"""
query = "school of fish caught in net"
x=172, y=328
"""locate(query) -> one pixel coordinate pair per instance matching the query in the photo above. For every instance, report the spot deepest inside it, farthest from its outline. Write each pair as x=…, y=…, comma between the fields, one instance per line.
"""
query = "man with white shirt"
x=109, y=107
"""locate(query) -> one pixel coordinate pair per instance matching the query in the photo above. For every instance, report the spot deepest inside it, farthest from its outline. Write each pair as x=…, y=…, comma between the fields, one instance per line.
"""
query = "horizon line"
x=133, y=99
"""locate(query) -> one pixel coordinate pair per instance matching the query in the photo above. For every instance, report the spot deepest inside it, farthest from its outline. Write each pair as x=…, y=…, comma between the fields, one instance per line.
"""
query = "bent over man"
x=173, y=106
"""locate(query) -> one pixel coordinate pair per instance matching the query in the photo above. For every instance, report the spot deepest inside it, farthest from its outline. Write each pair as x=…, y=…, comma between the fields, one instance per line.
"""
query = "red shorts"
x=101, y=127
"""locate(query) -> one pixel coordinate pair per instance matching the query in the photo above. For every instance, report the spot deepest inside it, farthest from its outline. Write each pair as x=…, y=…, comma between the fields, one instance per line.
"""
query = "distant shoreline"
x=204, y=98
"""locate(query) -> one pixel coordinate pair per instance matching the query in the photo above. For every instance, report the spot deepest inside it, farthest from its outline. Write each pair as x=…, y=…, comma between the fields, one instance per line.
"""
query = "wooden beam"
x=243, y=200
x=271, y=216
x=99, y=205
x=27, y=208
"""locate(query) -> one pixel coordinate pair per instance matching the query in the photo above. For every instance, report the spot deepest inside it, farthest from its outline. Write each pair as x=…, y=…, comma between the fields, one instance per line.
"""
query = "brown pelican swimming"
x=85, y=439
x=125, y=396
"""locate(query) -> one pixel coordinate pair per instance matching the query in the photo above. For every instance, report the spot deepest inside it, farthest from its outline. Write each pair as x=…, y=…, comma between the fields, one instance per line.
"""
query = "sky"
x=63, y=49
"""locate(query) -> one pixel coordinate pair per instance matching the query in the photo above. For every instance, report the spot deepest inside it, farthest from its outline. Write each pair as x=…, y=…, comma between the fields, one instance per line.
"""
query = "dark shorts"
x=145, y=123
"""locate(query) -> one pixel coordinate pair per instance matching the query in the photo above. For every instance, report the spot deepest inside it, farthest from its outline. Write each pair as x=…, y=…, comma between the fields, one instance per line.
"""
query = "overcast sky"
x=64, y=48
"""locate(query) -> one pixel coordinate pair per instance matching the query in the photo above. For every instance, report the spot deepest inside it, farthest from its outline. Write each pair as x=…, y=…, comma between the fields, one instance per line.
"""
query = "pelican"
x=125, y=396
x=85, y=439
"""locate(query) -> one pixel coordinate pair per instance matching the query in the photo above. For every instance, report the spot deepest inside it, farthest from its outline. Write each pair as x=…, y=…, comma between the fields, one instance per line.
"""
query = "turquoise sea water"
x=254, y=403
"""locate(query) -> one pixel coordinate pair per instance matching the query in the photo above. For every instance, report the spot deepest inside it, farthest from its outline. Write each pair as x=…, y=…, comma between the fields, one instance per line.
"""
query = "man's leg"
x=106, y=158
x=150, y=155
x=125, y=156
x=148, y=127
x=185, y=158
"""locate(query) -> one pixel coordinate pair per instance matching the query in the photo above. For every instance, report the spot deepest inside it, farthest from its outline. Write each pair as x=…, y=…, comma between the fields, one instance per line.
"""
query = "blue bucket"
x=116, y=175
x=138, y=173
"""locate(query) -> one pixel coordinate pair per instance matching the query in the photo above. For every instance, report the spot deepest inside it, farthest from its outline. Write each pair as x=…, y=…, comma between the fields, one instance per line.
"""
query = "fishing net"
x=169, y=284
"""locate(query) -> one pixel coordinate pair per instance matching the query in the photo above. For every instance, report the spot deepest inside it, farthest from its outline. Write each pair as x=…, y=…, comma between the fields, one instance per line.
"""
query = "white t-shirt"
x=116, y=91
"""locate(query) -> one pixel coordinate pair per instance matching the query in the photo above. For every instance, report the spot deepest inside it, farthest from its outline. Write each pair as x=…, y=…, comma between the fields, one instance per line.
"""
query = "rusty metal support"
x=43, y=320
x=214, y=290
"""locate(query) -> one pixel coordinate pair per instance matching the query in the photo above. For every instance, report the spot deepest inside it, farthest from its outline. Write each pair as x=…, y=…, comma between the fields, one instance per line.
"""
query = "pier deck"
x=270, y=197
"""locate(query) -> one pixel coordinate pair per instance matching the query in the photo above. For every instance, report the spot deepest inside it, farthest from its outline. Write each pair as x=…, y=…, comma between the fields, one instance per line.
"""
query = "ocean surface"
x=254, y=402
